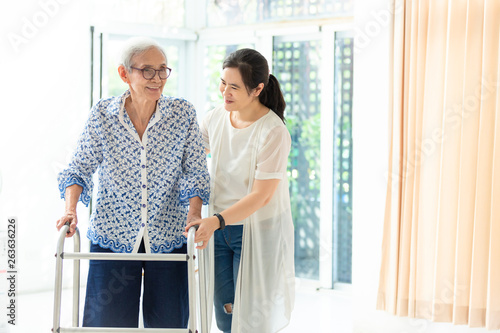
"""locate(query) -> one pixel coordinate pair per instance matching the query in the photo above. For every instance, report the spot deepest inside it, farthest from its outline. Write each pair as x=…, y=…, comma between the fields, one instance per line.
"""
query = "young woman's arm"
x=261, y=194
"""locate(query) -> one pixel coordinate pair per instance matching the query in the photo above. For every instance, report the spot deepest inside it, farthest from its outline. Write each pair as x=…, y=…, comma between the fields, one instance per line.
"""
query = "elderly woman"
x=152, y=167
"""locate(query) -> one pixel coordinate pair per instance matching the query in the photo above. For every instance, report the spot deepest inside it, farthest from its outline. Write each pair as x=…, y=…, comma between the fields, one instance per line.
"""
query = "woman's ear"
x=124, y=75
x=258, y=89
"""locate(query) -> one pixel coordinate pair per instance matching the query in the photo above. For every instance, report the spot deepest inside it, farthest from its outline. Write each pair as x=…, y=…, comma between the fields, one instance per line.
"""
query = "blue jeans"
x=227, y=247
x=114, y=291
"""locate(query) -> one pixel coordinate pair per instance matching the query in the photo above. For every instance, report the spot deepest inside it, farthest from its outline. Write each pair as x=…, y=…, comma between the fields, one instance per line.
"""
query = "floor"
x=315, y=311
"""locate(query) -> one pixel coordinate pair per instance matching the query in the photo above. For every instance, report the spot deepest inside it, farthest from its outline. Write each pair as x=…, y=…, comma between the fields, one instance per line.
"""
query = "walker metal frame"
x=197, y=301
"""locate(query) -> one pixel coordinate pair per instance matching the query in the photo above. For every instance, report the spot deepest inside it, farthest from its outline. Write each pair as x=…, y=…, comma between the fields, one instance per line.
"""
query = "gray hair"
x=135, y=46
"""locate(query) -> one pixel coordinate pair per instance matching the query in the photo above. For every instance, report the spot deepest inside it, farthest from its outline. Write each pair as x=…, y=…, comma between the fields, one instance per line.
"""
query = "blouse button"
x=143, y=225
x=143, y=205
x=143, y=186
x=143, y=166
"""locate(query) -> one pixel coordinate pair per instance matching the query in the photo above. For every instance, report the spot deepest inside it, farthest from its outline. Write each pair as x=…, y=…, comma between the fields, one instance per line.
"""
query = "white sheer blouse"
x=232, y=177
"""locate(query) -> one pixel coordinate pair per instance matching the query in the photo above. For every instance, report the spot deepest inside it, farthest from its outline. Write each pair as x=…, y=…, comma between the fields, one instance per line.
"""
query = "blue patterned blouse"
x=144, y=187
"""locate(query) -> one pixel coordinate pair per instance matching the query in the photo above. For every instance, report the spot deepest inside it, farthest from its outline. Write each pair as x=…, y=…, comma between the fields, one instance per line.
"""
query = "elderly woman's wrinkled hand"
x=71, y=219
x=205, y=231
x=193, y=217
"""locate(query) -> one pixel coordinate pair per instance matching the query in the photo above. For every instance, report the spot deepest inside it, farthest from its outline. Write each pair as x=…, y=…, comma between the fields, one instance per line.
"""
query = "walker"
x=196, y=300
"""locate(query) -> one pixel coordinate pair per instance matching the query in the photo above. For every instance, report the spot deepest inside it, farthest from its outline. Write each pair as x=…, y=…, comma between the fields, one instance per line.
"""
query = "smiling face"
x=233, y=90
x=145, y=89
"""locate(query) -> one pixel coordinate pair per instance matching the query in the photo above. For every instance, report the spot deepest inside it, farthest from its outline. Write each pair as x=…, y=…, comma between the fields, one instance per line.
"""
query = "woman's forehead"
x=232, y=75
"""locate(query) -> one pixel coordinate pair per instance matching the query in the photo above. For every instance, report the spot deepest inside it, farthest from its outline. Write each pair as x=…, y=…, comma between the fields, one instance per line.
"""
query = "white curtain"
x=441, y=245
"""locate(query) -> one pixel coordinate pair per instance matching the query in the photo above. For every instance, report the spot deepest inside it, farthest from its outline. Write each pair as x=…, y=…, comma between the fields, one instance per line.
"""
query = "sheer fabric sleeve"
x=204, y=130
x=86, y=159
x=272, y=158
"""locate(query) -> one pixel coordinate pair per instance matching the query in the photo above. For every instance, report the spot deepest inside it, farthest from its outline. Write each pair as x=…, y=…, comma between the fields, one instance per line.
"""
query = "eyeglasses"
x=148, y=73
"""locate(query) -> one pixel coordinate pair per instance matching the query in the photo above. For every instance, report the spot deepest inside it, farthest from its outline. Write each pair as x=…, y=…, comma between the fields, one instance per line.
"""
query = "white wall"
x=44, y=84
x=370, y=136
x=370, y=142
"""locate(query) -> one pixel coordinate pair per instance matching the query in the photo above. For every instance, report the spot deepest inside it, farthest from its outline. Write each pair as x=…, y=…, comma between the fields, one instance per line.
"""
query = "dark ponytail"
x=254, y=70
x=272, y=97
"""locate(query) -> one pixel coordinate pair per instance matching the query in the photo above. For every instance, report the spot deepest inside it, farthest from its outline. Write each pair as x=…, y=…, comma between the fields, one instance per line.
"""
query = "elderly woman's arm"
x=72, y=194
x=195, y=181
x=194, y=212
x=75, y=182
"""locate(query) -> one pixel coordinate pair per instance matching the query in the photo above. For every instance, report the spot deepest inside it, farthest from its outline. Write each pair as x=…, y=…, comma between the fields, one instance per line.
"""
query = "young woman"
x=250, y=217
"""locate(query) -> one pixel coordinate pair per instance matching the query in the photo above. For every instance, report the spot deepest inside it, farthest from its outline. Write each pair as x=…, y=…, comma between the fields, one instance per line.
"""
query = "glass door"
x=297, y=65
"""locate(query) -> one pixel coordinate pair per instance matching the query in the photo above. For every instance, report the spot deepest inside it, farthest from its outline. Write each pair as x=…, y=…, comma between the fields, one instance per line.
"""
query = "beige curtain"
x=441, y=244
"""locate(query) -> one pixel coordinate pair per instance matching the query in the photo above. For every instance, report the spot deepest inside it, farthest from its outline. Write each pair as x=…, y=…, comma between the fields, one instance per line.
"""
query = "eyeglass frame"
x=156, y=71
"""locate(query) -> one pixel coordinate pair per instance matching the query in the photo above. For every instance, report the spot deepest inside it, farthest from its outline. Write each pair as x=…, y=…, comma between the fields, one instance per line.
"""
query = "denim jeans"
x=227, y=247
x=114, y=291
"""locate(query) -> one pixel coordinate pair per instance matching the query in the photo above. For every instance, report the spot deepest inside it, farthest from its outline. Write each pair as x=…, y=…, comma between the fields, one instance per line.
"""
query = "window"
x=342, y=169
x=169, y=13
x=300, y=65
x=296, y=65
x=222, y=13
